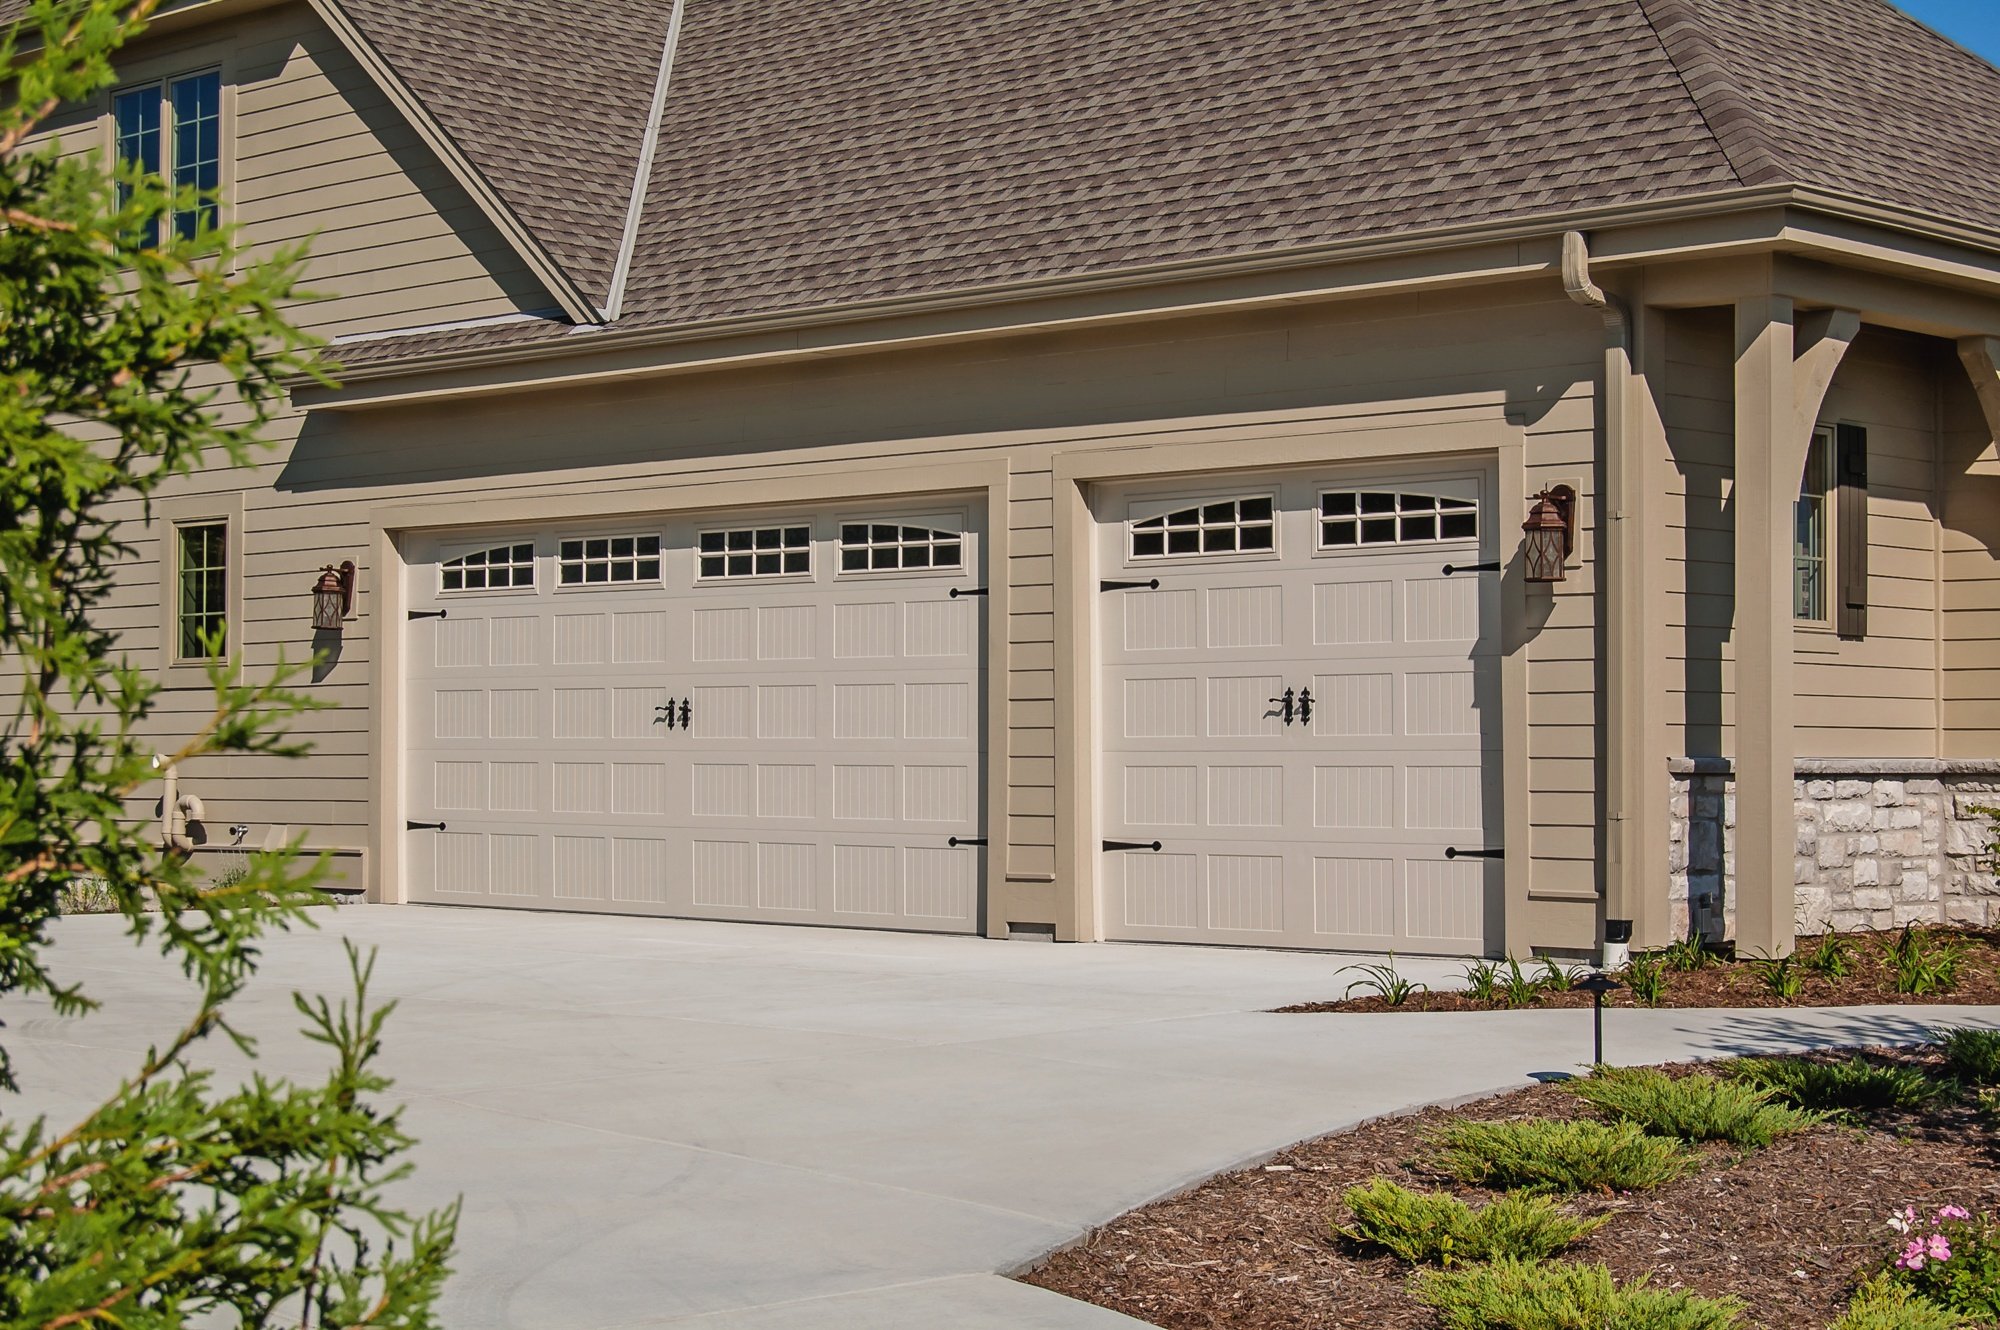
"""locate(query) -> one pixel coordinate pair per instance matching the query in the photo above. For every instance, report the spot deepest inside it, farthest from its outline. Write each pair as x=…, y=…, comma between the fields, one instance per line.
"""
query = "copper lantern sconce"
x=333, y=597
x=1549, y=534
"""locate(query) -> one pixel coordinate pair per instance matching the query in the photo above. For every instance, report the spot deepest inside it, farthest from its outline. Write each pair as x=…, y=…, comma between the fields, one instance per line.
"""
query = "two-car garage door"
x=775, y=717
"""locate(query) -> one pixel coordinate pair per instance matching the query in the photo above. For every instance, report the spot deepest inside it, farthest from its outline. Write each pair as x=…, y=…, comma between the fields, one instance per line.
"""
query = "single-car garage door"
x=775, y=717
x=1299, y=719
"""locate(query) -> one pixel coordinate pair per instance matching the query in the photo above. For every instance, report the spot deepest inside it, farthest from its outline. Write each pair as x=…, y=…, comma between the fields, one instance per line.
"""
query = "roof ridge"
x=1735, y=123
x=642, y=176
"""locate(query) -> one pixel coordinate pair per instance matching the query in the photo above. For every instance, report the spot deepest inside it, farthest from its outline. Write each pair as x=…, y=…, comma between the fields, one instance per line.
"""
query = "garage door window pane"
x=1232, y=526
x=757, y=551
x=1348, y=518
x=880, y=548
x=602, y=560
x=495, y=569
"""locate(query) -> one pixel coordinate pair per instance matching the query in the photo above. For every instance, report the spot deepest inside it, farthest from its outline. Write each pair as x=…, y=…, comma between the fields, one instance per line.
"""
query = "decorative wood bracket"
x=1981, y=356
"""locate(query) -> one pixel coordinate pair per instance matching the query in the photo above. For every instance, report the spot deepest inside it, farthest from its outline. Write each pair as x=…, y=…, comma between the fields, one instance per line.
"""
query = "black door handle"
x=1454, y=852
x=1305, y=706
x=423, y=826
x=664, y=713
x=957, y=841
x=1150, y=584
x=687, y=714
x=1152, y=845
x=1286, y=703
x=429, y=614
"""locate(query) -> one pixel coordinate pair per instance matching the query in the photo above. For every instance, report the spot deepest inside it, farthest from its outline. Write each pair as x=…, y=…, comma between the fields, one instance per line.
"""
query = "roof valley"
x=1738, y=128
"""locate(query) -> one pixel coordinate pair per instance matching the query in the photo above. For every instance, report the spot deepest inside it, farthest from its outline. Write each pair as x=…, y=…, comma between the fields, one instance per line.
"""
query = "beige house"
x=1061, y=470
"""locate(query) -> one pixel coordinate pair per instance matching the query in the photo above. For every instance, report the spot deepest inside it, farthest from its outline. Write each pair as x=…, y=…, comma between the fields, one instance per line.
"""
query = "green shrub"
x=1692, y=1108
x=1434, y=1228
x=1972, y=1055
x=1555, y=1295
x=1690, y=953
x=1516, y=988
x=1923, y=966
x=1558, y=978
x=1482, y=981
x=1881, y=1305
x=1831, y=957
x=1646, y=976
x=87, y=895
x=1383, y=982
x=1846, y=1088
x=1557, y=1156
x=1779, y=974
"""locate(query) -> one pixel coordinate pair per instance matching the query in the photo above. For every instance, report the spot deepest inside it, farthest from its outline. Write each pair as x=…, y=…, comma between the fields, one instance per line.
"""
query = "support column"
x=1645, y=775
x=1769, y=462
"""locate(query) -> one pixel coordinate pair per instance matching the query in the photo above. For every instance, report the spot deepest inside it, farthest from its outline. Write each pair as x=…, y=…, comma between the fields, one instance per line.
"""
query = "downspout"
x=1620, y=598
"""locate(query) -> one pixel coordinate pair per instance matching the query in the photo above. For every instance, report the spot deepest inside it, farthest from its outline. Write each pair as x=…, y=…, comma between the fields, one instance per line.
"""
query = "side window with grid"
x=1349, y=518
x=494, y=569
x=605, y=560
x=880, y=547
x=203, y=572
x=762, y=551
x=1227, y=526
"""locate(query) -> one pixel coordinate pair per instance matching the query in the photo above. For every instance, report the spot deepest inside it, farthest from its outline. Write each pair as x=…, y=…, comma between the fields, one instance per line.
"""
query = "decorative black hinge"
x=427, y=614
x=958, y=591
x=1452, y=569
x=957, y=841
x=1152, y=845
x=1455, y=853
x=1150, y=584
x=423, y=826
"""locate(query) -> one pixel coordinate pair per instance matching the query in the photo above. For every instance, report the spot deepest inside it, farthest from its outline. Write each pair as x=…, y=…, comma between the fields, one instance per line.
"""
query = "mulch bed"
x=1787, y=1229
x=1724, y=983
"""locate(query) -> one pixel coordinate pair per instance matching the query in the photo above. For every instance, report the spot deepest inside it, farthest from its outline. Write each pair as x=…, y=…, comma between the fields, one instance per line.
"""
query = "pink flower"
x=1912, y=1257
x=1951, y=1212
x=1938, y=1249
x=1902, y=1222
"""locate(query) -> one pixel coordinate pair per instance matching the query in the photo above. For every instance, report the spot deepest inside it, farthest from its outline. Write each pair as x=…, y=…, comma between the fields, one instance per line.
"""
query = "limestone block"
x=1966, y=838
x=1849, y=921
x=1919, y=913
x=1729, y=809
x=1867, y=872
x=1890, y=794
x=1960, y=910
x=1850, y=816
x=1924, y=787
x=1804, y=871
x=1806, y=843
x=1906, y=844
x=1832, y=854
x=1917, y=885
x=1906, y=818
x=1873, y=898
x=1851, y=789
x=1819, y=789
x=1677, y=857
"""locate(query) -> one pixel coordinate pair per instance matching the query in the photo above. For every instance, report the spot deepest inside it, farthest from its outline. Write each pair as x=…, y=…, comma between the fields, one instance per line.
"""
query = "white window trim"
x=169, y=516
x=1148, y=509
x=780, y=524
x=1428, y=489
x=158, y=73
x=937, y=522
x=1827, y=433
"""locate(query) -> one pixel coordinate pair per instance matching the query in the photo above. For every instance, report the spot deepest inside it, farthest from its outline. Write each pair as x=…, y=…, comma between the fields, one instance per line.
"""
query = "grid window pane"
x=197, y=148
x=1372, y=517
x=761, y=551
x=137, y=117
x=204, y=591
x=882, y=548
x=494, y=569
x=1809, y=538
x=602, y=560
x=1231, y=526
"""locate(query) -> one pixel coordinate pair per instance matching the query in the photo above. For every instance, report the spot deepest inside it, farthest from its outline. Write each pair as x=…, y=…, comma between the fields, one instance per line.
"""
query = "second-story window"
x=173, y=129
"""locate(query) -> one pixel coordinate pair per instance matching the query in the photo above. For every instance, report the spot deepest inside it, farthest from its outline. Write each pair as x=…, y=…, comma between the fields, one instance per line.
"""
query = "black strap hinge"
x=1455, y=853
x=423, y=826
x=427, y=614
x=958, y=591
x=1451, y=569
x=1150, y=584
x=1152, y=845
x=957, y=841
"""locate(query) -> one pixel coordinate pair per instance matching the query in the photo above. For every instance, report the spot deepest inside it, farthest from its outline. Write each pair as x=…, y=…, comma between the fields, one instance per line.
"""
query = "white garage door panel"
x=1330, y=830
x=825, y=744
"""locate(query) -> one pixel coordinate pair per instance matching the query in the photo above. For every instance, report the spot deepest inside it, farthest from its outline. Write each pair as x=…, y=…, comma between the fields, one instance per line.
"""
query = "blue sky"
x=1973, y=23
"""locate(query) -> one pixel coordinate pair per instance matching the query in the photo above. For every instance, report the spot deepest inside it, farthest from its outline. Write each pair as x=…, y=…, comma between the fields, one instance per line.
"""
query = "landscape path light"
x=1597, y=984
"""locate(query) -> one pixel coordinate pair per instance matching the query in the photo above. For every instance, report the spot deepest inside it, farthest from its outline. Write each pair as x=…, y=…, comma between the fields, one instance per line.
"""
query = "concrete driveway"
x=663, y=1123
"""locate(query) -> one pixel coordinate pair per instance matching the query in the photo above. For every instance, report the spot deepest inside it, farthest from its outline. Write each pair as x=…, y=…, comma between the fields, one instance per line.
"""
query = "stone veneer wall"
x=1880, y=844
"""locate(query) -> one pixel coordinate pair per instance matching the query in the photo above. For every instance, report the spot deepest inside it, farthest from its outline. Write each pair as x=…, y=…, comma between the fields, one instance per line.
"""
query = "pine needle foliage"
x=134, y=354
x=1556, y=1295
x=1881, y=1305
x=1845, y=1089
x=1690, y=1108
x=1436, y=1228
x=1540, y=1155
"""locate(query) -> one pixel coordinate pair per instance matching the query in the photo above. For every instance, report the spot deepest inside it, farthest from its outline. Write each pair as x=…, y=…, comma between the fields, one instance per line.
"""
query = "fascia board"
x=574, y=302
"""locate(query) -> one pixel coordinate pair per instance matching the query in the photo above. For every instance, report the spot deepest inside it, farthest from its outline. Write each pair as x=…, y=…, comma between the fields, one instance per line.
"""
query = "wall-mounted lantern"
x=333, y=597
x=1549, y=534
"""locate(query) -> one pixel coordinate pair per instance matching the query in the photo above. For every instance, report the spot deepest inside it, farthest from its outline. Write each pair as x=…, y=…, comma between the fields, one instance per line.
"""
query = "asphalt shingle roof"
x=843, y=151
